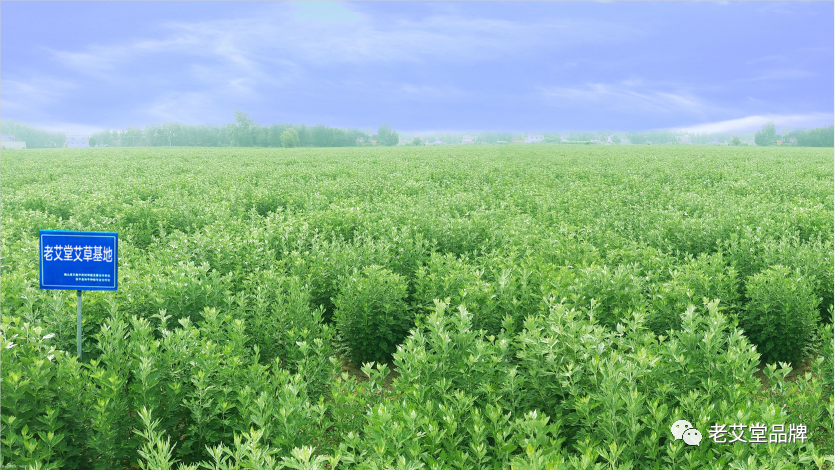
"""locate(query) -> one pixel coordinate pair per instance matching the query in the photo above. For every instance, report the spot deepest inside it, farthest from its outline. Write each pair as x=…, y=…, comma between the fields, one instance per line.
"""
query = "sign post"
x=79, y=261
x=78, y=318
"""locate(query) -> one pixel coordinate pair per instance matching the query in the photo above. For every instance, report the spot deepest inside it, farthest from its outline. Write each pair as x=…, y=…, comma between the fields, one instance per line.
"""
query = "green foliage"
x=610, y=293
x=580, y=396
x=371, y=313
x=825, y=335
x=246, y=274
x=34, y=137
x=451, y=278
x=386, y=136
x=781, y=313
x=818, y=137
x=290, y=138
x=766, y=136
x=694, y=282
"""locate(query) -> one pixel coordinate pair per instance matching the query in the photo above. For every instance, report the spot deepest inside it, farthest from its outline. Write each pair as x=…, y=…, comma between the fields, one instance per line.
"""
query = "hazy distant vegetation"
x=819, y=137
x=245, y=132
x=34, y=137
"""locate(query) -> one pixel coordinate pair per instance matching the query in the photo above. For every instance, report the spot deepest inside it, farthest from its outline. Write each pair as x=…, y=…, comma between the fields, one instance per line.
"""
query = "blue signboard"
x=79, y=260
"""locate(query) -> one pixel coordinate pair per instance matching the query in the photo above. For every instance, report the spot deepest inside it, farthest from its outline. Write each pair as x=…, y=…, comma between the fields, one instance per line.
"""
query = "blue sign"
x=79, y=260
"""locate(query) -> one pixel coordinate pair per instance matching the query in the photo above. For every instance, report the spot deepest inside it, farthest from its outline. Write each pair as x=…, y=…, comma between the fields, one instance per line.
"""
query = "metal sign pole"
x=78, y=331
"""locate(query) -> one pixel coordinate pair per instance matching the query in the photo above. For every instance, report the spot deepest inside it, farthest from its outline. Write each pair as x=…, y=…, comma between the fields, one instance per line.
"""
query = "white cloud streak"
x=629, y=95
x=245, y=59
x=779, y=74
x=34, y=93
x=752, y=123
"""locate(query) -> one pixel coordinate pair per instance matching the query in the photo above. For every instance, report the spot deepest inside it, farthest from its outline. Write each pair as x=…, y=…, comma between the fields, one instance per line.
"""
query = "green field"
x=536, y=306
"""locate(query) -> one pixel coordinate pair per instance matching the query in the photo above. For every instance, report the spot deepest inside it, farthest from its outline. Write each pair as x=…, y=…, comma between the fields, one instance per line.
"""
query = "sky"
x=420, y=67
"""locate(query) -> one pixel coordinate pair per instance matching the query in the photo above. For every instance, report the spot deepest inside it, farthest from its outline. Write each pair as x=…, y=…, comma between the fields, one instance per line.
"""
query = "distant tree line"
x=668, y=137
x=818, y=137
x=243, y=133
x=247, y=133
x=34, y=137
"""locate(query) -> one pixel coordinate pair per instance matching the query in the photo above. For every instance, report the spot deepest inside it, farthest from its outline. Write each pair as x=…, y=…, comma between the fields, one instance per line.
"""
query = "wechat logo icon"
x=682, y=429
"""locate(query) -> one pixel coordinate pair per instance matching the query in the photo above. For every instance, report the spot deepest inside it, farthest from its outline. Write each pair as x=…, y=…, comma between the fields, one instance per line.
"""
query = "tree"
x=766, y=136
x=290, y=138
x=736, y=141
x=243, y=132
x=819, y=137
x=243, y=119
x=386, y=136
x=416, y=141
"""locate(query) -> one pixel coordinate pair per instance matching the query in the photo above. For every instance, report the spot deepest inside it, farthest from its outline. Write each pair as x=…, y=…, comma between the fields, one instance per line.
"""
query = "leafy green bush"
x=617, y=292
x=580, y=396
x=781, y=313
x=371, y=313
x=453, y=278
x=825, y=335
x=814, y=257
x=445, y=350
x=703, y=277
x=326, y=262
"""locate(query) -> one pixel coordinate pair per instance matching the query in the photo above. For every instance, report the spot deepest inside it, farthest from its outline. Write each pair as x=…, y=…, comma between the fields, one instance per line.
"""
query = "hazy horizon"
x=422, y=68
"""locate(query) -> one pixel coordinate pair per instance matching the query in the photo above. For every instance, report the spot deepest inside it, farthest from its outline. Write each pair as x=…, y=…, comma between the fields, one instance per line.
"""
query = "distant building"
x=469, y=140
x=75, y=140
x=683, y=139
x=533, y=138
x=8, y=141
x=563, y=139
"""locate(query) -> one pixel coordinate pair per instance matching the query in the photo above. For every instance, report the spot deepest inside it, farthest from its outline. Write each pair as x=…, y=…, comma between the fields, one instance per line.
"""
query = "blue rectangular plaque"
x=79, y=260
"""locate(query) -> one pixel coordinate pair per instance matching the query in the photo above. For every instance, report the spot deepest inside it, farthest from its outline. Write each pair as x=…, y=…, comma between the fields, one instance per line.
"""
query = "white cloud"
x=89, y=62
x=780, y=74
x=191, y=107
x=324, y=12
x=628, y=95
x=246, y=59
x=325, y=33
x=767, y=58
x=65, y=126
x=430, y=91
x=752, y=123
x=33, y=96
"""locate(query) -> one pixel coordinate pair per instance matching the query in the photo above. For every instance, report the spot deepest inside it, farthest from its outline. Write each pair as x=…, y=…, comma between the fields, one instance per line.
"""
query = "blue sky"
x=420, y=67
